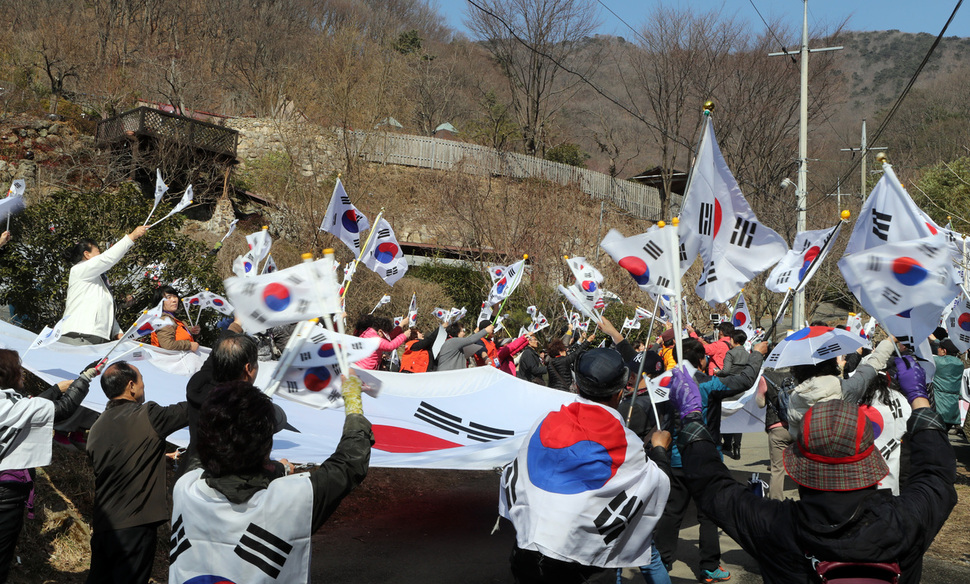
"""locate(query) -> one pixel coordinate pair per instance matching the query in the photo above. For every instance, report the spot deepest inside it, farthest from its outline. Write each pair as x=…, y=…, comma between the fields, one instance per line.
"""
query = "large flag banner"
x=344, y=220
x=958, y=322
x=504, y=285
x=567, y=511
x=643, y=256
x=797, y=267
x=718, y=224
x=384, y=255
x=741, y=318
x=300, y=292
x=889, y=215
x=904, y=285
x=259, y=244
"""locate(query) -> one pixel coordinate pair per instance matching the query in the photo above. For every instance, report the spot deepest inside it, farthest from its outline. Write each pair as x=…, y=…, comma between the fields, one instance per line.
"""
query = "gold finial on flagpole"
x=525, y=256
x=845, y=215
x=675, y=221
x=661, y=224
x=881, y=158
x=307, y=256
x=565, y=257
x=708, y=107
x=328, y=251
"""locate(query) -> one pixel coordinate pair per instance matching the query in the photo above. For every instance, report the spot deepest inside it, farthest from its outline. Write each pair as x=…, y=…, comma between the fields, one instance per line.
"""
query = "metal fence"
x=425, y=152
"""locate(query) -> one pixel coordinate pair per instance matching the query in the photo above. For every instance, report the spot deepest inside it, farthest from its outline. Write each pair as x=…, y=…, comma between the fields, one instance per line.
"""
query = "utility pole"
x=798, y=306
x=864, y=149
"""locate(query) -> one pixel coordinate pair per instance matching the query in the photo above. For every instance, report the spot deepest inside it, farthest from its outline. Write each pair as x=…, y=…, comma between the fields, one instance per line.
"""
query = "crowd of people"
x=602, y=484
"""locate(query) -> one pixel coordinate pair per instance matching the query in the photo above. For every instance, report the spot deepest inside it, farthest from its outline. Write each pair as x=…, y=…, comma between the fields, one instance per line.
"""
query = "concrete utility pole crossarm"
x=798, y=307
x=864, y=148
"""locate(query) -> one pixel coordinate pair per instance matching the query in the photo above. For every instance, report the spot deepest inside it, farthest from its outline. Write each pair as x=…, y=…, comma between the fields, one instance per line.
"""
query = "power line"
x=905, y=92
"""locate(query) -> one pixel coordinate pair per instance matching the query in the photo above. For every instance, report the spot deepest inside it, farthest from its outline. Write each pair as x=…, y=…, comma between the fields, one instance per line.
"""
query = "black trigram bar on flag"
x=179, y=543
x=705, y=223
x=784, y=277
x=891, y=295
x=743, y=233
x=683, y=252
x=828, y=349
x=454, y=424
x=511, y=477
x=880, y=224
x=345, y=199
x=929, y=250
x=888, y=449
x=653, y=250
x=965, y=339
x=390, y=272
x=663, y=281
x=874, y=264
x=614, y=518
x=709, y=276
x=263, y=549
x=383, y=233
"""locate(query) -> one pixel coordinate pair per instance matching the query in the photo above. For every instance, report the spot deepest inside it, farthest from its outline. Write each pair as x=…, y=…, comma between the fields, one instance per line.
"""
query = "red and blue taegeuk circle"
x=908, y=271
x=218, y=302
x=638, y=269
x=317, y=378
x=577, y=449
x=807, y=260
x=349, y=221
x=209, y=579
x=588, y=286
x=717, y=216
x=964, y=321
x=808, y=333
x=326, y=350
x=276, y=296
x=386, y=252
x=145, y=329
x=500, y=285
x=739, y=319
x=876, y=420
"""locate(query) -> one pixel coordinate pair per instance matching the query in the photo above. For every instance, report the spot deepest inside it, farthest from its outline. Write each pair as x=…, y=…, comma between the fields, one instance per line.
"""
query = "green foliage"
x=568, y=153
x=269, y=174
x=494, y=126
x=34, y=268
x=948, y=186
x=408, y=42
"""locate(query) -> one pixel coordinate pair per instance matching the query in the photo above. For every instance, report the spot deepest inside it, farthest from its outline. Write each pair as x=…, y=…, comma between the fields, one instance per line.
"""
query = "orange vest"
x=492, y=352
x=414, y=361
x=181, y=333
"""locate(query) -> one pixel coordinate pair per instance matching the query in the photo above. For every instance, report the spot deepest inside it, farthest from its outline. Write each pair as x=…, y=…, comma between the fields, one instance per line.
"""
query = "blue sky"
x=906, y=15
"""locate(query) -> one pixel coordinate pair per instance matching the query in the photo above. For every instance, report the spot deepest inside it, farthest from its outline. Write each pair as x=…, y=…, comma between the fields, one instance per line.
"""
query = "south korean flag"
x=384, y=255
x=958, y=323
x=906, y=285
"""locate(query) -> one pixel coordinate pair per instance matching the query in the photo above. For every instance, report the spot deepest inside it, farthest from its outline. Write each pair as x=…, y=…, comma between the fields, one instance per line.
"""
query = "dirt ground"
x=401, y=525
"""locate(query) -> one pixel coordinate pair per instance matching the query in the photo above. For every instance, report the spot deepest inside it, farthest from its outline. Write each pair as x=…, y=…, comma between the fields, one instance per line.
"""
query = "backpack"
x=857, y=572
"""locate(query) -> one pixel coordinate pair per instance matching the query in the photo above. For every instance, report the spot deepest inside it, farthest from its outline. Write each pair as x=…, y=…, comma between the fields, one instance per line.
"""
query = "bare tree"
x=530, y=40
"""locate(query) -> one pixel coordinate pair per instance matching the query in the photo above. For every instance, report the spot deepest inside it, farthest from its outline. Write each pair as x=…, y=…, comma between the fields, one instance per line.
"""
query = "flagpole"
x=328, y=321
x=643, y=362
x=363, y=250
x=518, y=278
x=115, y=346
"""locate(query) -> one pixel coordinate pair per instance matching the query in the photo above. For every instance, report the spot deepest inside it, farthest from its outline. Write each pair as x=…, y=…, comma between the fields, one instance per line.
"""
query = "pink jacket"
x=374, y=360
x=506, y=353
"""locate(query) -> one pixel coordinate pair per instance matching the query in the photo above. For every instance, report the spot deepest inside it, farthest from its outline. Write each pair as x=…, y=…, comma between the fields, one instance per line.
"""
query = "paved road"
x=420, y=527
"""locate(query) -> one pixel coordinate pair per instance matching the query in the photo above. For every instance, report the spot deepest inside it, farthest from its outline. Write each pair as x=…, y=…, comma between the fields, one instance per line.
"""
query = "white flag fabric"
x=17, y=188
x=853, y=324
x=485, y=313
x=244, y=266
x=270, y=266
x=503, y=286
x=796, y=268
x=344, y=220
x=413, y=311
x=596, y=506
x=587, y=277
x=147, y=323
x=399, y=321
x=958, y=323
x=645, y=257
x=496, y=272
x=441, y=314
x=539, y=322
x=11, y=205
x=741, y=318
x=642, y=313
x=905, y=285
x=27, y=425
x=455, y=314
x=259, y=244
x=631, y=323
x=889, y=215
x=384, y=255
x=206, y=299
x=160, y=189
x=300, y=292
x=718, y=224
x=232, y=228
x=578, y=301
x=660, y=387
x=48, y=335
x=532, y=311
x=319, y=387
x=870, y=328
x=184, y=202
x=385, y=299
x=321, y=345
